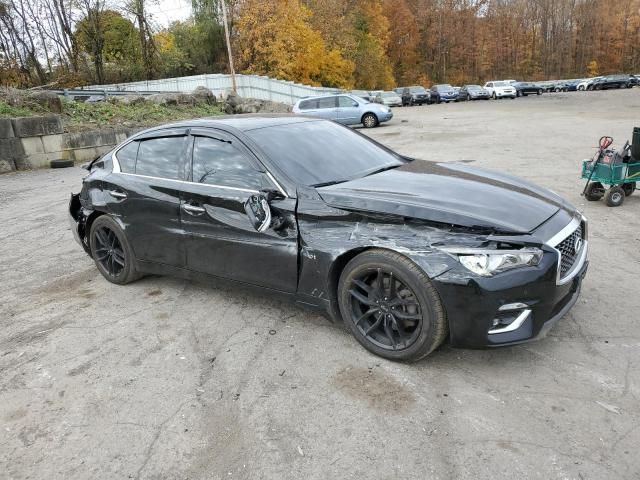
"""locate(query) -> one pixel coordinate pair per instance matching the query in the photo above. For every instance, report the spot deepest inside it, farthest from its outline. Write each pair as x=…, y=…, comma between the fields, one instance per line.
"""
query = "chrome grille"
x=568, y=252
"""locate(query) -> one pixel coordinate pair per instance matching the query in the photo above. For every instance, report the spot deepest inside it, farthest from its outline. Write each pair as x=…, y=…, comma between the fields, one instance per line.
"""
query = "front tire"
x=390, y=306
x=369, y=120
x=494, y=96
x=111, y=251
x=614, y=196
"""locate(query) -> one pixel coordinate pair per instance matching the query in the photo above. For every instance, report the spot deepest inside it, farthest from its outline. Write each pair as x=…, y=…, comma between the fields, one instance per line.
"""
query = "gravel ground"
x=169, y=379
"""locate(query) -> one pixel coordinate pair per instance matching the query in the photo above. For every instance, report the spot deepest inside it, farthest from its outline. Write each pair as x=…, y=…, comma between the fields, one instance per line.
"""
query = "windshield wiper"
x=383, y=169
x=326, y=184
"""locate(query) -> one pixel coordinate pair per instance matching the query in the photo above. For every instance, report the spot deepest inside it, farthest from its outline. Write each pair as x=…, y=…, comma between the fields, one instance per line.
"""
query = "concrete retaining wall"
x=32, y=142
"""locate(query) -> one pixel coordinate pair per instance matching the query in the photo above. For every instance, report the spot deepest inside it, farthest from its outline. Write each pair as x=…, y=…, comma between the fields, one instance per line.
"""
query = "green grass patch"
x=9, y=111
x=82, y=116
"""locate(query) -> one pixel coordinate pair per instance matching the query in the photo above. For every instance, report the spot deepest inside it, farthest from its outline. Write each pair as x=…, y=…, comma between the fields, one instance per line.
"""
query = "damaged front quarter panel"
x=330, y=237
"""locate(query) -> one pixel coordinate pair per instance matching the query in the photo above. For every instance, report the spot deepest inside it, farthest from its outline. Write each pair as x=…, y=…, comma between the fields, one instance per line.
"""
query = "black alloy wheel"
x=385, y=310
x=390, y=306
x=111, y=251
x=539, y=92
x=108, y=251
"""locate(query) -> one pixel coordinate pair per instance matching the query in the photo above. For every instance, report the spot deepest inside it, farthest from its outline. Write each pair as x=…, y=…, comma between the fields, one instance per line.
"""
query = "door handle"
x=192, y=209
x=117, y=194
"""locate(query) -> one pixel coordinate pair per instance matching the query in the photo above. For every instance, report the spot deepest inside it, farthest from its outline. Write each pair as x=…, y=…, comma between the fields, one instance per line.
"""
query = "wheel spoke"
x=102, y=238
x=406, y=316
x=361, y=298
x=373, y=326
x=402, y=333
x=362, y=285
x=118, y=260
x=377, y=284
x=368, y=313
x=389, y=333
x=392, y=287
x=102, y=257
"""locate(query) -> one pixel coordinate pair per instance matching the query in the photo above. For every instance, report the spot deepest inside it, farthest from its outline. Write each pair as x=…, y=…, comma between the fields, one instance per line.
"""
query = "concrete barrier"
x=32, y=142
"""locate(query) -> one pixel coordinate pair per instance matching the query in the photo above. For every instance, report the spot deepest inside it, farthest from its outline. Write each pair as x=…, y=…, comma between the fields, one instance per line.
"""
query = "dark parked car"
x=406, y=252
x=612, y=81
x=525, y=88
x=420, y=94
x=443, y=93
x=473, y=92
x=406, y=96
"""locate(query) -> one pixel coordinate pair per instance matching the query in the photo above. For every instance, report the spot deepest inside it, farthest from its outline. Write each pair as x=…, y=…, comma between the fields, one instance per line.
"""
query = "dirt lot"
x=169, y=379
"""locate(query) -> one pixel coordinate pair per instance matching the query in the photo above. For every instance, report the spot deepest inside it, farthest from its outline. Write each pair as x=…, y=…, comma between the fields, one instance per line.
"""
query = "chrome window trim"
x=117, y=169
x=190, y=183
x=554, y=241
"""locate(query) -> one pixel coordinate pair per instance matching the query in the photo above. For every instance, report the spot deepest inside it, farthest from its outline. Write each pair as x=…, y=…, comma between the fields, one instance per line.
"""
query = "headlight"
x=489, y=262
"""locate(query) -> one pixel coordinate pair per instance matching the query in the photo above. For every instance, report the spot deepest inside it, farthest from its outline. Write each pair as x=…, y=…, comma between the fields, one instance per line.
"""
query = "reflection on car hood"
x=449, y=193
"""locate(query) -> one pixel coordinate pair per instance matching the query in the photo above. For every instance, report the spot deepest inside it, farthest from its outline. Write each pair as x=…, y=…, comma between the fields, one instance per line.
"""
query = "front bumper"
x=385, y=117
x=472, y=304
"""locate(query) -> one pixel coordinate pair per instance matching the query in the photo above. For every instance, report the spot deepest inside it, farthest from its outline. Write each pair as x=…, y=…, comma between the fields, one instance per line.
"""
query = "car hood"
x=451, y=193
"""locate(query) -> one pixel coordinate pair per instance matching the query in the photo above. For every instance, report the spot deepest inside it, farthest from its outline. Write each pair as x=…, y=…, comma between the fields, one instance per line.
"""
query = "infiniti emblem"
x=577, y=245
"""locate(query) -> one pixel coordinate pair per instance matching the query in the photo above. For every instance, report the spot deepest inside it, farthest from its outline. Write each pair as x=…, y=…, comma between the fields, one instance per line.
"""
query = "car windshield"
x=389, y=94
x=444, y=86
x=417, y=90
x=359, y=99
x=320, y=152
x=500, y=84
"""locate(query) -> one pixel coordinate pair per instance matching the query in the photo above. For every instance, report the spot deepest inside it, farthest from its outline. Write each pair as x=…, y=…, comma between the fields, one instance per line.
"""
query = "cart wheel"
x=594, y=192
x=614, y=196
x=629, y=188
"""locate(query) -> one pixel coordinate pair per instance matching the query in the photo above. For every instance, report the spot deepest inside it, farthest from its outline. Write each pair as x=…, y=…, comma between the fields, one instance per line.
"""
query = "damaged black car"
x=408, y=253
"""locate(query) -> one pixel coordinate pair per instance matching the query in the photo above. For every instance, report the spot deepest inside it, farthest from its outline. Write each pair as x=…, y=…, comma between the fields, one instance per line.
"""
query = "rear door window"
x=328, y=102
x=161, y=157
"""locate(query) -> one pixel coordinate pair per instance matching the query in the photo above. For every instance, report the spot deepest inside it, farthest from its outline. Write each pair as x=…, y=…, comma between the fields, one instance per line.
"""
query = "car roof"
x=243, y=122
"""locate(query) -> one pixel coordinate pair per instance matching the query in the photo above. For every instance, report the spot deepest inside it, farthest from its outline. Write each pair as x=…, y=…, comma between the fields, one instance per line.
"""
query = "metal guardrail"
x=81, y=93
x=249, y=86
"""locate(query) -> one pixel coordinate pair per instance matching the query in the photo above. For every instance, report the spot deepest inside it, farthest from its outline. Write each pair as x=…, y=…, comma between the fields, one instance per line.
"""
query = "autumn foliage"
x=367, y=44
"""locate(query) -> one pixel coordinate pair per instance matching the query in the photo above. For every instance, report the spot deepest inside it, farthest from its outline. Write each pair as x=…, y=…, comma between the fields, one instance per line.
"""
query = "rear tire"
x=629, y=188
x=61, y=163
x=614, y=196
x=594, y=192
x=539, y=92
x=369, y=120
x=391, y=307
x=111, y=251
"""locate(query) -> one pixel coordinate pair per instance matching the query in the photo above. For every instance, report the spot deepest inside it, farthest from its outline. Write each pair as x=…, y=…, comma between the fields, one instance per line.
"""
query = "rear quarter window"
x=127, y=157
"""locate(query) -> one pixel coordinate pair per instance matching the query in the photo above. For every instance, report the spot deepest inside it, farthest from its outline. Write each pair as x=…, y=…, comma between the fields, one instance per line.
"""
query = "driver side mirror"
x=258, y=211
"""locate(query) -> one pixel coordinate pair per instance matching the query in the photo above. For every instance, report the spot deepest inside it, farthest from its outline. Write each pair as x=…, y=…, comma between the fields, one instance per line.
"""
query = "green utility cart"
x=619, y=171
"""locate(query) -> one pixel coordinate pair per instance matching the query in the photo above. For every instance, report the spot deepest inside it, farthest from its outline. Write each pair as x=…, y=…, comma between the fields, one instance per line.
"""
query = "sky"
x=166, y=11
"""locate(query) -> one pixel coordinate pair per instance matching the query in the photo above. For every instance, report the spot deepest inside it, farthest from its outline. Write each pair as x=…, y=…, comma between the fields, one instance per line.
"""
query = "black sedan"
x=408, y=253
x=525, y=88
